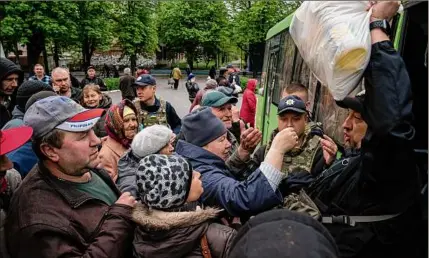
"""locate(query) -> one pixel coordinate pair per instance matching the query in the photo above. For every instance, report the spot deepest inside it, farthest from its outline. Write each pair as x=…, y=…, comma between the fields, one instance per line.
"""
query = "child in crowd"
x=170, y=224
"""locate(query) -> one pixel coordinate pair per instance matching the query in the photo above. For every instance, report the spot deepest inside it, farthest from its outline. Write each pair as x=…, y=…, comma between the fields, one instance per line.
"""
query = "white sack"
x=333, y=38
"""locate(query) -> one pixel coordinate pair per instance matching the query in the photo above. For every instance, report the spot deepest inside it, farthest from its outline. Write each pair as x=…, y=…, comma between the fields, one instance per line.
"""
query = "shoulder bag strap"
x=205, y=247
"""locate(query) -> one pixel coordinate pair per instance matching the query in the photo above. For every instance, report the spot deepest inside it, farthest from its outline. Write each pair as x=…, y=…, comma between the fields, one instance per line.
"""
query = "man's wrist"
x=243, y=154
x=372, y=19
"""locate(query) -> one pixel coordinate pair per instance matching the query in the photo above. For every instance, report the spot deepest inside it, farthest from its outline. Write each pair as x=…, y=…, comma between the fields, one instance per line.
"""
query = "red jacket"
x=248, y=107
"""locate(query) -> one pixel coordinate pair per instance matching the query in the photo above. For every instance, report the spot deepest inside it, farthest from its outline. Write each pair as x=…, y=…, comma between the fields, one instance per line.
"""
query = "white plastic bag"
x=333, y=38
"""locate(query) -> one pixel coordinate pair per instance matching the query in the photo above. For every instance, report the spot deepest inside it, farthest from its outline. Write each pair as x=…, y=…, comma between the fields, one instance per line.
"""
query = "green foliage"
x=112, y=83
x=244, y=80
x=63, y=23
x=192, y=27
x=252, y=19
x=136, y=27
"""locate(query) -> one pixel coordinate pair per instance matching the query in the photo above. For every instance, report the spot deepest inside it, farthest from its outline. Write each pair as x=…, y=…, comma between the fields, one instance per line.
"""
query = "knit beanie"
x=201, y=127
x=151, y=140
x=27, y=89
x=164, y=182
x=38, y=96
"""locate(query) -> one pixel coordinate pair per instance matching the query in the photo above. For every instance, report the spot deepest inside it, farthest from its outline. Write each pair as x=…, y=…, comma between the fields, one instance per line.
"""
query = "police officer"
x=313, y=152
x=152, y=110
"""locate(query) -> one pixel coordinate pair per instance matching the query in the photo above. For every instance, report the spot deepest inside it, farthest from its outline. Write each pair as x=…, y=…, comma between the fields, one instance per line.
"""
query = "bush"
x=112, y=83
x=244, y=80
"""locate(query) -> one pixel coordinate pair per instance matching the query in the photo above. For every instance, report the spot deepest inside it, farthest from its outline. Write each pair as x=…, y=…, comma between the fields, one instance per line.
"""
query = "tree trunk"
x=34, y=49
x=190, y=60
x=16, y=52
x=256, y=56
x=133, y=59
x=45, y=58
x=56, y=54
x=86, y=53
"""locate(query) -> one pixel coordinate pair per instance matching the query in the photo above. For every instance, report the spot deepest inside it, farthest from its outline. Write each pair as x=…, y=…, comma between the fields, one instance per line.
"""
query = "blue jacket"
x=222, y=189
x=23, y=158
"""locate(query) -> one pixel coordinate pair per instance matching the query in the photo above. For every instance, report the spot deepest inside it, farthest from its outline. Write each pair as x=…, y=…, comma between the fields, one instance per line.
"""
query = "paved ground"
x=177, y=98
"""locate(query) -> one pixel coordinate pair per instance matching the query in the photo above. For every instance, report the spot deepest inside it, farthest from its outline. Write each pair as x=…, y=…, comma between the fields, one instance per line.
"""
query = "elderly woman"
x=155, y=139
x=210, y=85
x=121, y=126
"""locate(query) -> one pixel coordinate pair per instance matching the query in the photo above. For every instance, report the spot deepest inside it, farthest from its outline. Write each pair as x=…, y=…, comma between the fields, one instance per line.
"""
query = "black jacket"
x=127, y=90
x=96, y=80
x=193, y=89
x=74, y=81
x=4, y=115
x=383, y=179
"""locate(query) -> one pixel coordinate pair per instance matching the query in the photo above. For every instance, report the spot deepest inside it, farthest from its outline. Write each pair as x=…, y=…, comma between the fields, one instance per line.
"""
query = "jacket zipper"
x=100, y=224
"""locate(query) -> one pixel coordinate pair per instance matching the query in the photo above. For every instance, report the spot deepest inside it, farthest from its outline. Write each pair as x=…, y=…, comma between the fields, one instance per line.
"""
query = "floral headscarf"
x=114, y=123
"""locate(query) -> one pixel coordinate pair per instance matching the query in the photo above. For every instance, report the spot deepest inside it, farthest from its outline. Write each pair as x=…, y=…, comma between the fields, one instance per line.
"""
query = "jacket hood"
x=8, y=67
x=251, y=84
x=286, y=234
x=157, y=220
x=198, y=154
x=105, y=102
x=17, y=114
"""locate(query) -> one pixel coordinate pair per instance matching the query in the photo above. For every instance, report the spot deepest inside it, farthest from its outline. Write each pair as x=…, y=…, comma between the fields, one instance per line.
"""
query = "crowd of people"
x=81, y=176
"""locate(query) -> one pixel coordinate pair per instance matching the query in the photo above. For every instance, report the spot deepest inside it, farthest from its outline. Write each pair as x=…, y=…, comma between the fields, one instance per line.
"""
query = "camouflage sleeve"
x=236, y=166
x=242, y=169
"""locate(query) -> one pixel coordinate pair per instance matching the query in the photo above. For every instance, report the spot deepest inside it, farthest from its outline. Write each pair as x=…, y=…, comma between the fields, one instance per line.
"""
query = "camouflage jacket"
x=147, y=118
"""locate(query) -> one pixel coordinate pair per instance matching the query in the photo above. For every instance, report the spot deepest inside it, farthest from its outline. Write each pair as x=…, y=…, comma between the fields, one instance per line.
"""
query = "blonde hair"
x=87, y=88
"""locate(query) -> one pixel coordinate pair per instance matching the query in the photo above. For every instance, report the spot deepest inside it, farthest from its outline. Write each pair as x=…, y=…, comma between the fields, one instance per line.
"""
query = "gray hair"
x=127, y=71
x=60, y=69
x=211, y=84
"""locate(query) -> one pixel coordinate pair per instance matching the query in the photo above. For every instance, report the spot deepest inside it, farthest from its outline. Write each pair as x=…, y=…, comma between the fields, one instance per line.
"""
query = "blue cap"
x=292, y=104
x=190, y=76
x=144, y=80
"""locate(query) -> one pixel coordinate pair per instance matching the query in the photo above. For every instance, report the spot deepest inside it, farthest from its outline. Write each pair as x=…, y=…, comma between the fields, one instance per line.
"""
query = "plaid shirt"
x=46, y=79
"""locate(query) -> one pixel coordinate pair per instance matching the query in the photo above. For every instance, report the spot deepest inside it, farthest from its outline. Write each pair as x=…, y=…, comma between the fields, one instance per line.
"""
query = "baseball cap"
x=61, y=113
x=217, y=99
x=292, y=104
x=353, y=103
x=90, y=67
x=14, y=138
x=144, y=80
